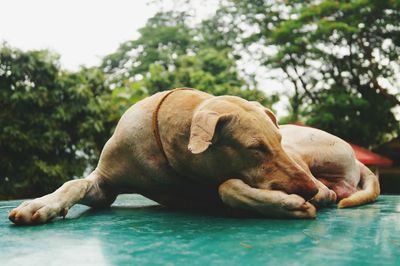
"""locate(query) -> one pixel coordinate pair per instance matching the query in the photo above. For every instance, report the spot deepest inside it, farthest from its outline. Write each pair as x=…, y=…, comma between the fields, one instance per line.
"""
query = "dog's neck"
x=155, y=126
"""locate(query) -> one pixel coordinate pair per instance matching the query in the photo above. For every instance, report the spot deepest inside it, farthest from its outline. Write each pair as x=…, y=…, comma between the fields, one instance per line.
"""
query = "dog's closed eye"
x=259, y=146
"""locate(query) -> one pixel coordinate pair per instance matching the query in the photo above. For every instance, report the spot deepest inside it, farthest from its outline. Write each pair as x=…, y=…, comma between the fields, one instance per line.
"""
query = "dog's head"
x=246, y=135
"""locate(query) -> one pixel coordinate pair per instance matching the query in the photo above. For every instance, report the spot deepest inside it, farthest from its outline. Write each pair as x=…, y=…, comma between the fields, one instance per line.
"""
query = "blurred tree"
x=53, y=123
x=340, y=56
x=209, y=70
x=164, y=37
x=170, y=53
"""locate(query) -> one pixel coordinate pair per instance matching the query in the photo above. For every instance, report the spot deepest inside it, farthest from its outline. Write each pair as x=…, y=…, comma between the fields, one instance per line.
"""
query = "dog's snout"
x=309, y=193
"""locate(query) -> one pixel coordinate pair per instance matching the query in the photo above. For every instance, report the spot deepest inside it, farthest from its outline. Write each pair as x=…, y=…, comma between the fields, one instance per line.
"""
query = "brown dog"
x=185, y=148
x=333, y=164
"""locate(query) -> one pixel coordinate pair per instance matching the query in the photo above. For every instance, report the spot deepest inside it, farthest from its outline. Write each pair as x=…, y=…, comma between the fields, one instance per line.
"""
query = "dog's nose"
x=309, y=193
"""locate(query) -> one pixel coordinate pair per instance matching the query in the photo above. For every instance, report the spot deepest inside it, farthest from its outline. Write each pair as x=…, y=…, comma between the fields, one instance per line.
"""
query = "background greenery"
x=340, y=59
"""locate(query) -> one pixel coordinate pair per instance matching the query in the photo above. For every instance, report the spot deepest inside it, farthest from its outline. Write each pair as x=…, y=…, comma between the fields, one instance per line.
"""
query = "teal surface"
x=135, y=231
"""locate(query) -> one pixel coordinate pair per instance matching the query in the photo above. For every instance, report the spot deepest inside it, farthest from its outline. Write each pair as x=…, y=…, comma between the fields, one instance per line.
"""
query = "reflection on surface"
x=58, y=250
x=137, y=232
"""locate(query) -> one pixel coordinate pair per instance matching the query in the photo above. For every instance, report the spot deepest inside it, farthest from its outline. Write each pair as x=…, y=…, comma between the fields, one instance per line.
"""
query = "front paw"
x=294, y=206
x=324, y=197
x=37, y=211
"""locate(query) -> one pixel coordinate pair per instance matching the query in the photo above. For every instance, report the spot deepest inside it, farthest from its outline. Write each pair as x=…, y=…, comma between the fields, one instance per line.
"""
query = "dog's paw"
x=294, y=206
x=37, y=211
x=325, y=197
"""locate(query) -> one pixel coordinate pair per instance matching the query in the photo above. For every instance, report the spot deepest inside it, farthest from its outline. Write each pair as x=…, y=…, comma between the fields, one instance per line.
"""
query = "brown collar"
x=155, y=126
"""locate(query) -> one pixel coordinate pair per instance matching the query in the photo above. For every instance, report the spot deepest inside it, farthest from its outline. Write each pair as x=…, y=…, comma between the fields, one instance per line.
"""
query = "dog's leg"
x=89, y=191
x=271, y=203
x=368, y=192
x=324, y=197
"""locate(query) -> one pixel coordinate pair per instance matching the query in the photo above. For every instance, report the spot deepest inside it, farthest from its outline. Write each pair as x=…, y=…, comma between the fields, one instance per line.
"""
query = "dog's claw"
x=305, y=206
x=11, y=215
x=17, y=217
x=36, y=217
x=64, y=212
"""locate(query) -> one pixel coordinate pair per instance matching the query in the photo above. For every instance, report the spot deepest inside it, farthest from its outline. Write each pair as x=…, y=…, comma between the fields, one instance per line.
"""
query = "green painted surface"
x=137, y=232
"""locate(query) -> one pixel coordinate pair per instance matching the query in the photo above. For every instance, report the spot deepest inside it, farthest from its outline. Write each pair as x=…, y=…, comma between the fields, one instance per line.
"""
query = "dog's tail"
x=369, y=191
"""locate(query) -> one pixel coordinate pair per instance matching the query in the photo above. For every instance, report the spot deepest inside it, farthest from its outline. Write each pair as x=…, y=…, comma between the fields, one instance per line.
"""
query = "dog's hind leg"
x=270, y=203
x=90, y=191
x=368, y=191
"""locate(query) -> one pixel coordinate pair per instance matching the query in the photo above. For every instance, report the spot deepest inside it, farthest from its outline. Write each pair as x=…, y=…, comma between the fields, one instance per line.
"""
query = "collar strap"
x=154, y=122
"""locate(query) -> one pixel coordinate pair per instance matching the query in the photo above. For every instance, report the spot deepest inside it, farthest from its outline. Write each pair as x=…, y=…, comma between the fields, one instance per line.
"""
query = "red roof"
x=364, y=155
x=368, y=157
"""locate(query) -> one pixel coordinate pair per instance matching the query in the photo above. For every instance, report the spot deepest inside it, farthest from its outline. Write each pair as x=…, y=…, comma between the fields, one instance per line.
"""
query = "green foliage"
x=164, y=37
x=340, y=56
x=209, y=70
x=346, y=114
x=170, y=53
x=52, y=122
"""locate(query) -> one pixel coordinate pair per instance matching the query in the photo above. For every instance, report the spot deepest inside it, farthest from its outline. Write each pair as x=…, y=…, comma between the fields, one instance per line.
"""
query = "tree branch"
x=304, y=85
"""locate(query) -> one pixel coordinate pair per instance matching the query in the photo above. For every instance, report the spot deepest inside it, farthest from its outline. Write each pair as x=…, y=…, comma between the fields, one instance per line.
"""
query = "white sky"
x=80, y=31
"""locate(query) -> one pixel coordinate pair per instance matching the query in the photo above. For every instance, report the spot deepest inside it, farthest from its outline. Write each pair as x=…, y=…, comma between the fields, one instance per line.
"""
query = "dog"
x=332, y=163
x=188, y=149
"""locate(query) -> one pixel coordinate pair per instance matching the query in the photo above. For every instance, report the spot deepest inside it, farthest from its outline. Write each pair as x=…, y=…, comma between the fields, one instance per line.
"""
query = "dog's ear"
x=272, y=116
x=267, y=111
x=202, y=130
